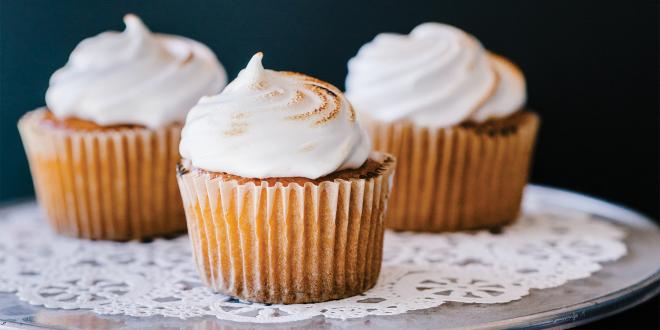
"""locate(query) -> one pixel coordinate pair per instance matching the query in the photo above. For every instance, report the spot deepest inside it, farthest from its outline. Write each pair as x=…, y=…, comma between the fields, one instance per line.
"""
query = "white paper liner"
x=287, y=244
x=115, y=184
x=457, y=178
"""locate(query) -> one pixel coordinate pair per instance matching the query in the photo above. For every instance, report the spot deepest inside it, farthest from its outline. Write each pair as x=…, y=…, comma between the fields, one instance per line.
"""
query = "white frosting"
x=437, y=76
x=134, y=77
x=274, y=124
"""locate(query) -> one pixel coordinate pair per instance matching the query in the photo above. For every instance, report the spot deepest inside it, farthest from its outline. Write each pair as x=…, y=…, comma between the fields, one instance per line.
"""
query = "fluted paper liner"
x=115, y=184
x=287, y=243
x=458, y=178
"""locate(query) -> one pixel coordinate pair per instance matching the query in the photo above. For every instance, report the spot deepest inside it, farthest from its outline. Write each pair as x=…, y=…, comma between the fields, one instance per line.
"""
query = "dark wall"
x=592, y=67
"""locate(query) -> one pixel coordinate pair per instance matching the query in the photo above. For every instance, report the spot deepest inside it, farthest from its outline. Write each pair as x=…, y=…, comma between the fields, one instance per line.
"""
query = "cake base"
x=465, y=177
x=113, y=183
x=288, y=241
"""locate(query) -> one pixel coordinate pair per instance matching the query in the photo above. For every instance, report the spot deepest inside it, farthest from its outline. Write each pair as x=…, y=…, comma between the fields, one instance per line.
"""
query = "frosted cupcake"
x=453, y=115
x=103, y=152
x=285, y=203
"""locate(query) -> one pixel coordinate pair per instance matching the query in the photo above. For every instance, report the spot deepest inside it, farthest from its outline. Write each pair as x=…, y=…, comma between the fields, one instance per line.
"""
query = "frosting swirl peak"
x=269, y=123
x=437, y=76
x=134, y=77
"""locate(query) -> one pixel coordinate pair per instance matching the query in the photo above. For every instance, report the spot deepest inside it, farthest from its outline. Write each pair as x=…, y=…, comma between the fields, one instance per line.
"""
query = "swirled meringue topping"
x=437, y=76
x=134, y=77
x=274, y=124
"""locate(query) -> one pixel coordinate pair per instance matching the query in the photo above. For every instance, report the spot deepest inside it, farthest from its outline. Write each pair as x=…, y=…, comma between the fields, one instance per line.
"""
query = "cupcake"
x=284, y=201
x=103, y=152
x=452, y=113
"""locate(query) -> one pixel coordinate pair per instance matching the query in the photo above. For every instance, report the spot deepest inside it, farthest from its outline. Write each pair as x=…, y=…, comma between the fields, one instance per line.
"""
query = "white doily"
x=544, y=249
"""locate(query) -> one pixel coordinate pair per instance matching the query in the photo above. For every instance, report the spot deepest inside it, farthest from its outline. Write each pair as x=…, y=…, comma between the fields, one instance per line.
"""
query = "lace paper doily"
x=544, y=249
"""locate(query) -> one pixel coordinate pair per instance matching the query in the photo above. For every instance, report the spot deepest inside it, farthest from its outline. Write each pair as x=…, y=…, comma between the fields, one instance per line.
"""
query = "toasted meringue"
x=134, y=77
x=274, y=124
x=437, y=76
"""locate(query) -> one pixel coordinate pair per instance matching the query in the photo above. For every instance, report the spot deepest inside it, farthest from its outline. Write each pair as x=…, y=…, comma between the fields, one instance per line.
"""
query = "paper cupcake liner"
x=287, y=243
x=458, y=178
x=115, y=184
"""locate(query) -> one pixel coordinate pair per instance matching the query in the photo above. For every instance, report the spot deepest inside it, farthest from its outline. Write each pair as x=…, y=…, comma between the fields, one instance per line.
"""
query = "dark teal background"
x=592, y=67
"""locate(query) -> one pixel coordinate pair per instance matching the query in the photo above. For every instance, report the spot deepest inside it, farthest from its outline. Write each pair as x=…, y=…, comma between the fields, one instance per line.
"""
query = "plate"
x=620, y=285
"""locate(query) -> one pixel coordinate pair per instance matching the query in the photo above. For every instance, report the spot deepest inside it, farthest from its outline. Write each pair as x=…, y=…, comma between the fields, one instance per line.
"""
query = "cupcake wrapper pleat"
x=457, y=178
x=114, y=184
x=286, y=244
